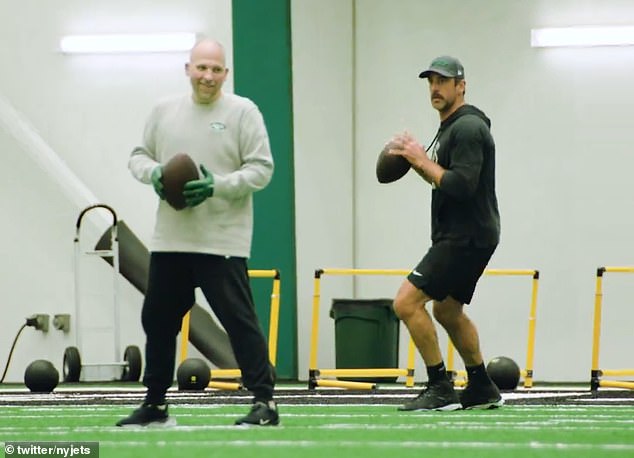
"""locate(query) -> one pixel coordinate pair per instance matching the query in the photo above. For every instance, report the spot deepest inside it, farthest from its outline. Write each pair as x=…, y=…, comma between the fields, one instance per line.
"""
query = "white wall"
x=324, y=176
x=90, y=110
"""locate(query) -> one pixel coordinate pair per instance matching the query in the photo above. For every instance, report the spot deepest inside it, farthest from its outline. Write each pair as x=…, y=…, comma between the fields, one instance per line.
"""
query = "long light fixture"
x=127, y=43
x=583, y=36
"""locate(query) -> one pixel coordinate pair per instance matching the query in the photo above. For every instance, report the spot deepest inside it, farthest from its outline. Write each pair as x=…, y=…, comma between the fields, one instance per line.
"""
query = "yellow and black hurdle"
x=315, y=373
x=274, y=318
x=596, y=374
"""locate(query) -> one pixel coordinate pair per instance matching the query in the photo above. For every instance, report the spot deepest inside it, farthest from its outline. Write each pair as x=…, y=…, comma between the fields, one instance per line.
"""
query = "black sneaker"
x=148, y=415
x=261, y=414
x=477, y=396
x=437, y=396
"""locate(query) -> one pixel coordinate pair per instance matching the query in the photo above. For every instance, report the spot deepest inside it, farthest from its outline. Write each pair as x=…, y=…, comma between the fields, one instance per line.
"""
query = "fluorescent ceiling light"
x=582, y=36
x=127, y=43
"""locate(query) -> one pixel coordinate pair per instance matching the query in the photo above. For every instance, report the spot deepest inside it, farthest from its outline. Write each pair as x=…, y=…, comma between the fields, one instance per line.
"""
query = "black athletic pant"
x=225, y=283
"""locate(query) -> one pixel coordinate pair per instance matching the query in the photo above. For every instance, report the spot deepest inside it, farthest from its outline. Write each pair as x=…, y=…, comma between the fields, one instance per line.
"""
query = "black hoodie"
x=464, y=206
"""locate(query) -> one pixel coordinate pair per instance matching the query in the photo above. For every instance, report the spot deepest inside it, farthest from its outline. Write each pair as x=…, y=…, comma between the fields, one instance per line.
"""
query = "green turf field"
x=337, y=430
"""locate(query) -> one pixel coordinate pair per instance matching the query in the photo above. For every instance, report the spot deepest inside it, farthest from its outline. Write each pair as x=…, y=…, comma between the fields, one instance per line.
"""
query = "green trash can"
x=366, y=336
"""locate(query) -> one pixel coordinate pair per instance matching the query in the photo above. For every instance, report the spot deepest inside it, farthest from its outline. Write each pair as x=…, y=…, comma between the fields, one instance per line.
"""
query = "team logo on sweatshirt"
x=217, y=125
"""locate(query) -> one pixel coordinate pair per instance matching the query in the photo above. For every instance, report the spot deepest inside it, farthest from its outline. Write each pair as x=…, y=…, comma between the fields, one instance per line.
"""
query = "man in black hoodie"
x=465, y=230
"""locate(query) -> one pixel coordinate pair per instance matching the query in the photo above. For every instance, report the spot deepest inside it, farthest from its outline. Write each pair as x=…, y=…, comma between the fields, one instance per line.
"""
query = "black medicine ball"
x=41, y=376
x=193, y=375
x=504, y=372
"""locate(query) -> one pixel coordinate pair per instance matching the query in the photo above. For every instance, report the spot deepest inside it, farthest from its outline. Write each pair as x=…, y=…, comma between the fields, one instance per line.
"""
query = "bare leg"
x=409, y=306
x=464, y=335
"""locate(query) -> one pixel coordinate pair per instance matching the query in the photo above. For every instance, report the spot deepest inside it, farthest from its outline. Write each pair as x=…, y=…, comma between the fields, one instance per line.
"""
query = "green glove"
x=157, y=183
x=197, y=191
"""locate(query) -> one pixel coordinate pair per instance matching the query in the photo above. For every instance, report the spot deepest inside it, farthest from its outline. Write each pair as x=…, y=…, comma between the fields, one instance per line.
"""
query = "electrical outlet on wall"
x=61, y=321
x=39, y=321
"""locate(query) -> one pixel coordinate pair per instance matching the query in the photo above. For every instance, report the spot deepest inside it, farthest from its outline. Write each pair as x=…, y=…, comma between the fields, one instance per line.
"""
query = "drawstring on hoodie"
x=434, y=140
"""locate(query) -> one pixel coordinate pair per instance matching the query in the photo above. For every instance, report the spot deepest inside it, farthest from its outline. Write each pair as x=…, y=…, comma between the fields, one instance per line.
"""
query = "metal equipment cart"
x=127, y=369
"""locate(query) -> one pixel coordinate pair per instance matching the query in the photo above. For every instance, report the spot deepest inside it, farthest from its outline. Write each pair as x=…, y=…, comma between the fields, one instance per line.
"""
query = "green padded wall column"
x=262, y=72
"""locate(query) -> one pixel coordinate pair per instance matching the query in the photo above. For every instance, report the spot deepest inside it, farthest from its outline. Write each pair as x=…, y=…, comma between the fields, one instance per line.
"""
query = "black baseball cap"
x=446, y=66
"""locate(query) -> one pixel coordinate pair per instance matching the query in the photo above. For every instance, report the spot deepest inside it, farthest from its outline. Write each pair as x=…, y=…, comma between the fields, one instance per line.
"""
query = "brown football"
x=176, y=172
x=390, y=167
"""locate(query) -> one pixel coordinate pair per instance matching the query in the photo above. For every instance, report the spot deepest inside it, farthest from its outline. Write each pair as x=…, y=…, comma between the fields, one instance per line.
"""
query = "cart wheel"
x=131, y=372
x=71, y=365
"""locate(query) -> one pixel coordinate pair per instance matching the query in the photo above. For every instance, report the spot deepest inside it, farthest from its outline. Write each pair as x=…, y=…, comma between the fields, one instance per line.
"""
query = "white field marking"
x=78, y=389
x=412, y=420
x=61, y=412
x=555, y=414
x=104, y=408
x=61, y=431
x=355, y=406
x=527, y=395
x=297, y=387
x=597, y=400
x=52, y=409
x=505, y=412
x=614, y=404
x=189, y=405
x=615, y=426
x=510, y=411
x=452, y=418
x=129, y=394
x=513, y=395
x=559, y=423
x=468, y=415
x=58, y=415
x=469, y=427
x=365, y=444
x=182, y=406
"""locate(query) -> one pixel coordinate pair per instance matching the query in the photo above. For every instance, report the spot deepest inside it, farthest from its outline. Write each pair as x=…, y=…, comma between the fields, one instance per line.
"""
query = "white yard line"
x=175, y=396
x=380, y=444
x=362, y=443
x=28, y=431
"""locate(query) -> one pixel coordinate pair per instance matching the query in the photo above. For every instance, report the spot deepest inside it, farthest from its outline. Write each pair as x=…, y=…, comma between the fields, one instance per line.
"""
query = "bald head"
x=207, y=48
x=206, y=70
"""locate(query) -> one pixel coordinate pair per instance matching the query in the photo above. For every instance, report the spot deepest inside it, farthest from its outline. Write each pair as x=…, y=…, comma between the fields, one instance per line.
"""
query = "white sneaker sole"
x=486, y=406
x=446, y=408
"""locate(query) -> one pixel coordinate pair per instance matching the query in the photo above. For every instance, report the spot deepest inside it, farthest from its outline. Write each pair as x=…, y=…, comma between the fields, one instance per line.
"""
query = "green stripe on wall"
x=262, y=72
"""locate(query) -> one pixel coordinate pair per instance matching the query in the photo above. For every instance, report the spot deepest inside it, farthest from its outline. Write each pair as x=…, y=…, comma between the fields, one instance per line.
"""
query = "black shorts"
x=451, y=270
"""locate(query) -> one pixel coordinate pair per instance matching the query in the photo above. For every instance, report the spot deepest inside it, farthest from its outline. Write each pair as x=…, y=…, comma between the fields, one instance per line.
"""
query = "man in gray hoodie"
x=465, y=231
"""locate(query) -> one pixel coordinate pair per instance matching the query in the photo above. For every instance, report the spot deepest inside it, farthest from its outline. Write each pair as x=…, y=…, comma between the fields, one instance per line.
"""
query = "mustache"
x=436, y=95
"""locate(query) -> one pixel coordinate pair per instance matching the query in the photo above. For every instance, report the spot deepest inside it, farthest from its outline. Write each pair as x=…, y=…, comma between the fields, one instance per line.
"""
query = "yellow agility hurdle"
x=527, y=373
x=595, y=374
x=314, y=373
x=274, y=319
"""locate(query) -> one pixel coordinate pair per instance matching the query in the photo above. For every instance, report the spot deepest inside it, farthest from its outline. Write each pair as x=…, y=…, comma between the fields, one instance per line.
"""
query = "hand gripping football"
x=176, y=172
x=390, y=167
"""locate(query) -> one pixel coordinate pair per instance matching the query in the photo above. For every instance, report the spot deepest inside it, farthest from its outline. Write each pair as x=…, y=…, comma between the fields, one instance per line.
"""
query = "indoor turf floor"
x=327, y=423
